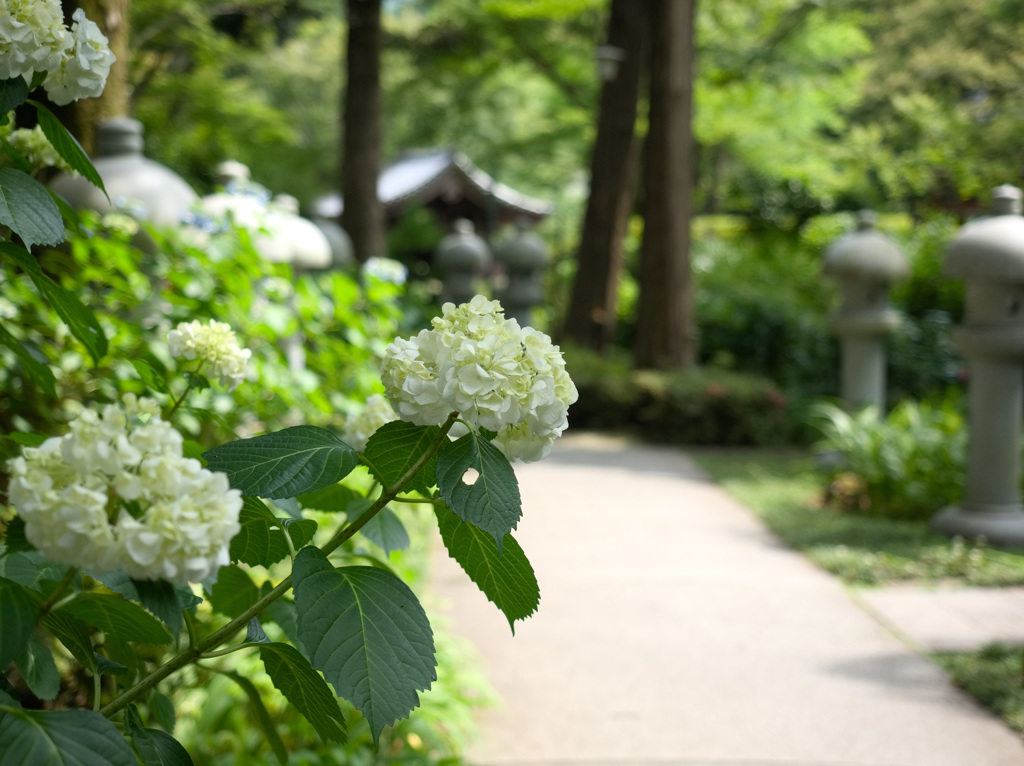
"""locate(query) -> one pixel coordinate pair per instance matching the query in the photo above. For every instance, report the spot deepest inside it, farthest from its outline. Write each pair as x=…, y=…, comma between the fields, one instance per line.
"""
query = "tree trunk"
x=363, y=216
x=665, y=332
x=590, y=321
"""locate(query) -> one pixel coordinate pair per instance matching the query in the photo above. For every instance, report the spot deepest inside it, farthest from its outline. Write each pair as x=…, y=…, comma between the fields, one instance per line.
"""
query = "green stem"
x=62, y=586
x=202, y=646
x=184, y=394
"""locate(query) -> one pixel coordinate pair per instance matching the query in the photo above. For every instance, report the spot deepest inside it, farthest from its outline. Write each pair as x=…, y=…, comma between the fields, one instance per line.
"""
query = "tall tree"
x=363, y=216
x=590, y=321
x=665, y=327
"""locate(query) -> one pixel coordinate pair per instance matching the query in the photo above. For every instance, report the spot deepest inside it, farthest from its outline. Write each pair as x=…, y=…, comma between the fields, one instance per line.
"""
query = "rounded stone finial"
x=866, y=219
x=119, y=135
x=866, y=254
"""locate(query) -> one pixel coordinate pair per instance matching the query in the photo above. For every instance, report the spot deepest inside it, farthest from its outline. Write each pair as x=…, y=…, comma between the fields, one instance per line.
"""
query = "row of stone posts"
x=988, y=255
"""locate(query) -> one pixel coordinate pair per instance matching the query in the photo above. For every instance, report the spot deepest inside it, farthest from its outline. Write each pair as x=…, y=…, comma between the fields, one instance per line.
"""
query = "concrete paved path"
x=674, y=630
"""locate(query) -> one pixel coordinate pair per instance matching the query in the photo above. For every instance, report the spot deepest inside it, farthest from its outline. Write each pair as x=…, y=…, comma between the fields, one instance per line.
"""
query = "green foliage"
x=64, y=737
x=993, y=675
x=904, y=466
x=702, y=405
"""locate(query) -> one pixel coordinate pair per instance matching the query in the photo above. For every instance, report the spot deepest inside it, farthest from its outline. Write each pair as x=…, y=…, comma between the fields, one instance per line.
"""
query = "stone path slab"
x=674, y=630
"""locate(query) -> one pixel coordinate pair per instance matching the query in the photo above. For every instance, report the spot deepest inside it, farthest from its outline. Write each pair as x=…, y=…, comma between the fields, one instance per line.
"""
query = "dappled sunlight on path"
x=673, y=629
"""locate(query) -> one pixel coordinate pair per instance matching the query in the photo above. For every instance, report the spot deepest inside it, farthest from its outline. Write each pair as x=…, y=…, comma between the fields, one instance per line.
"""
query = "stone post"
x=988, y=254
x=864, y=262
x=461, y=256
x=524, y=257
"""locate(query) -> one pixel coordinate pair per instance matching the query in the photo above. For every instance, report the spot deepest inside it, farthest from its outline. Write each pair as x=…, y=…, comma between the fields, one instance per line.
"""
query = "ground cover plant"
x=786, y=490
x=141, y=556
x=994, y=676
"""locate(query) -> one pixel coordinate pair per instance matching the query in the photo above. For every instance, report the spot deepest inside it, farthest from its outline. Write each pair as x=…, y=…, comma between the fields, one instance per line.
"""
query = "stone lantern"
x=988, y=255
x=135, y=184
x=864, y=262
x=461, y=256
x=524, y=257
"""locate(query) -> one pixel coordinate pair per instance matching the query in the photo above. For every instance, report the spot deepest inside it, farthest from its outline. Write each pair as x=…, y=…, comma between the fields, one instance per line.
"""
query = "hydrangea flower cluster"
x=37, y=149
x=33, y=39
x=216, y=345
x=493, y=373
x=359, y=429
x=116, y=493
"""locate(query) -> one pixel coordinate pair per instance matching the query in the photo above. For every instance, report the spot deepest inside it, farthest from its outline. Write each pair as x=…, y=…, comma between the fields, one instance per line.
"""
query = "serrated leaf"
x=196, y=381
x=234, y=591
x=282, y=612
x=113, y=614
x=287, y=463
x=62, y=738
x=149, y=376
x=386, y=531
x=396, y=446
x=492, y=502
x=332, y=499
x=67, y=146
x=39, y=373
x=31, y=568
x=20, y=606
x=74, y=635
x=367, y=633
x=14, y=536
x=79, y=319
x=162, y=710
x=165, y=601
x=261, y=541
x=13, y=93
x=39, y=670
x=506, y=578
x=302, y=686
x=155, y=747
x=27, y=208
x=262, y=716
x=106, y=665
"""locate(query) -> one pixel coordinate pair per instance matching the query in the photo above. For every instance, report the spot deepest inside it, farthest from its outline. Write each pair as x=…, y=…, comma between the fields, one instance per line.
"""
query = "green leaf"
x=155, y=747
x=113, y=614
x=80, y=320
x=291, y=462
x=302, y=686
x=386, y=531
x=166, y=601
x=365, y=631
x=396, y=446
x=261, y=541
x=14, y=536
x=39, y=670
x=262, y=716
x=37, y=371
x=13, y=93
x=506, y=578
x=254, y=633
x=74, y=635
x=27, y=438
x=492, y=502
x=67, y=146
x=20, y=606
x=62, y=738
x=27, y=208
x=234, y=591
x=332, y=499
x=149, y=376
x=162, y=710
x=196, y=381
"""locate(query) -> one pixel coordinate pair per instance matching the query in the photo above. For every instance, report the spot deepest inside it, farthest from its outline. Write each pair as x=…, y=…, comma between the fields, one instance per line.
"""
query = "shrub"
x=905, y=466
x=697, y=406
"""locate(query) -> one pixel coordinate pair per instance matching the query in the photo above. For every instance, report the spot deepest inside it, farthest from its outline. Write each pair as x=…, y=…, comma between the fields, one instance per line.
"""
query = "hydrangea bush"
x=130, y=552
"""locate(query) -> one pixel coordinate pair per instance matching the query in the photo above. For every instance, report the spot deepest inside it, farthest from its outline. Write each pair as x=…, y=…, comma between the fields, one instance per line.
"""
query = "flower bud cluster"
x=216, y=345
x=37, y=149
x=493, y=373
x=116, y=493
x=33, y=39
x=359, y=429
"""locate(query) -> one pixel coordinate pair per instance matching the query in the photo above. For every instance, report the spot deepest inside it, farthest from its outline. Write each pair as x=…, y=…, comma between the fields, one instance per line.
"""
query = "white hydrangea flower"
x=38, y=150
x=117, y=493
x=216, y=345
x=484, y=367
x=83, y=68
x=33, y=37
x=360, y=428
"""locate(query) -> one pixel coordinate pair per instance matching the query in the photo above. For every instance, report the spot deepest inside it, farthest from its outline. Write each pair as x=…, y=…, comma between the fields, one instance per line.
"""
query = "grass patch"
x=784, y=489
x=994, y=676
